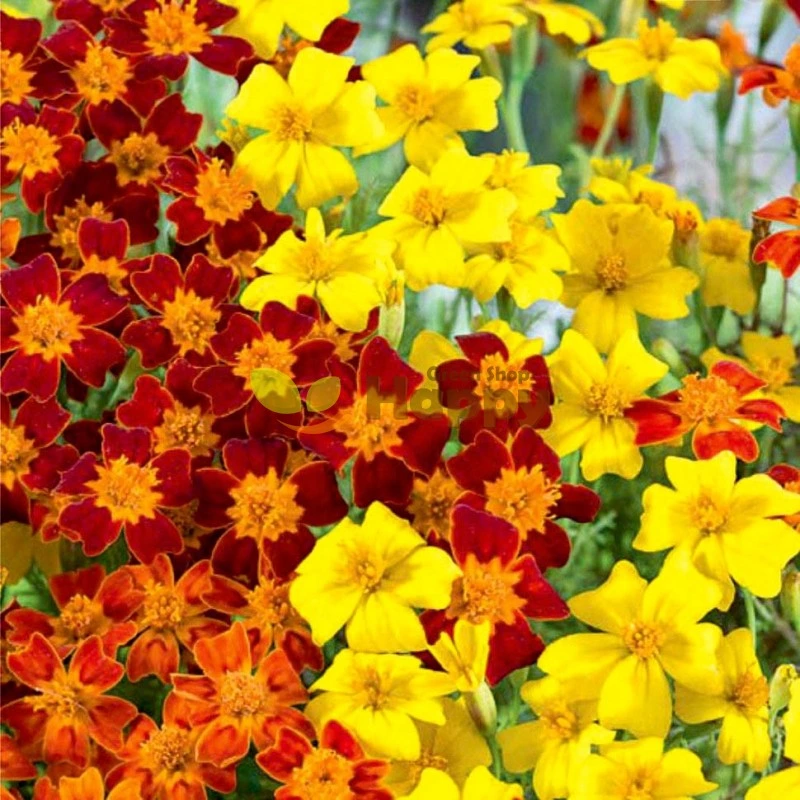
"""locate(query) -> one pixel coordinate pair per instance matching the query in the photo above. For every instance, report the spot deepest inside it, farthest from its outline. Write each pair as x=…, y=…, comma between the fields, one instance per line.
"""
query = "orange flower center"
x=138, y=158
x=486, y=592
x=291, y=123
x=243, y=695
x=186, y=427
x=522, y=497
x=263, y=353
x=415, y=101
x=371, y=425
x=497, y=379
x=269, y=602
x=314, y=260
x=102, y=75
x=110, y=267
x=643, y=639
x=15, y=80
x=323, y=775
x=171, y=29
x=127, y=490
x=776, y=372
x=427, y=760
x=750, y=693
x=341, y=339
x=29, y=148
x=708, y=398
x=66, y=224
x=183, y=519
x=656, y=42
x=80, y=617
x=167, y=749
x=222, y=195
x=16, y=452
x=163, y=609
x=47, y=329
x=429, y=206
x=376, y=690
x=191, y=320
x=641, y=785
x=431, y=501
x=264, y=506
x=243, y=263
x=606, y=401
x=61, y=698
x=560, y=721
x=611, y=273
x=708, y=515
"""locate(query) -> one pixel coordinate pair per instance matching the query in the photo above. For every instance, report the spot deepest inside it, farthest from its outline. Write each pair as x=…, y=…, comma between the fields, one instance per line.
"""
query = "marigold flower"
x=15, y=765
x=557, y=742
x=429, y=101
x=536, y=186
x=648, y=631
x=301, y=134
x=575, y=22
x=464, y=654
x=370, y=577
x=621, y=267
x=733, y=48
x=623, y=768
x=480, y=785
x=430, y=503
x=725, y=266
x=777, y=84
x=45, y=325
x=378, y=697
x=678, y=66
x=88, y=786
x=233, y=705
x=476, y=23
x=21, y=58
x=70, y=708
x=781, y=249
x=789, y=478
x=721, y=524
x=717, y=409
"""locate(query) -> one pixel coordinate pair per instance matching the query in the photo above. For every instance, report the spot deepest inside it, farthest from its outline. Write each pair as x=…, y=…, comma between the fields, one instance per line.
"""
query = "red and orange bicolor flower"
x=87, y=786
x=373, y=421
x=161, y=35
x=777, y=84
x=233, y=704
x=521, y=483
x=90, y=603
x=162, y=760
x=720, y=410
x=45, y=325
x=90, y=13
x=782, y=248
x=21, y=58
x=500, y=586
x=69, y=708
x=493, y=390
x=38, y=148
x=186, y=310
x=127, y=486
x=788, y=477
x=15, y=765
x=338, y=768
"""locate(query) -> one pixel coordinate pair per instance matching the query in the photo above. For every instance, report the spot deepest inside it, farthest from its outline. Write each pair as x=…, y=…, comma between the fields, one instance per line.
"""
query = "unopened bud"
x=780, y=687
x=665, y=351
x=482, y=709
x=790, y=597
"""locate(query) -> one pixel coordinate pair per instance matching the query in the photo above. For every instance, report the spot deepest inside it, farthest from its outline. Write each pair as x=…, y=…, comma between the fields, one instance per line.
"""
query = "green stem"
x=655, y=105
x=750, y=610
x=610, y=121
x=506, y=307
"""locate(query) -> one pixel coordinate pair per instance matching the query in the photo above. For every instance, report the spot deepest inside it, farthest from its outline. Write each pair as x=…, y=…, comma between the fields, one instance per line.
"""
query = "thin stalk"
x=610, y=121
x=750, y=610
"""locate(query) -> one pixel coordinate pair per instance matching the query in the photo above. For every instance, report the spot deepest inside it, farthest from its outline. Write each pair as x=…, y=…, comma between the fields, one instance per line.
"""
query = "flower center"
x=371, y=425
x=47, y=329
x=171, y=29
x=183, y=519
x=611, y=273
x=560, y=721
x=342, y=340
x=291, y=123
x=163, y=609
x=168, y=749
x=724, y=237
x=110, y=267
x=643, y=639
x=29, y=148
x=242, y=695
x=102, y=75
x=323, y=775
x=264, y=506
x=750, y=693
x=61, y=698
x=606, y=401
x=222, y=195
x=429, y=206
x=186, y=427
x=415, y=101
x=486, y=592
x=66, y=226
x=138, y=158
x=431, y=501
x=640, y=786
x=774, y=371
x=522, y=497
x=269, y=602
x=708, y=515
x=708, y=398
x=16, y=452
x=656, y=42
x=191, y=320
x=265, y=353
x=314, y=260
x=127, y=490
x=15, y=80
x=81, y=616
x=497, y=379
x=426, y=760
x=375, y=691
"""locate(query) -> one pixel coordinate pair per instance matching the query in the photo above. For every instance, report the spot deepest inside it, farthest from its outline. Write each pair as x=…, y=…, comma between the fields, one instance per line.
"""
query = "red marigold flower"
x=15, y=765
x=87, y=786
x=256, y=500
x=499, y=585
x=338, y=767
x=782, y=248
x=95, y=73
x=777, y=84
x=127, y=486
x=716, y=408
x=347, y=345
x=90, y=13
x=160, y=35
x=371, y=420
x=788, y=477
x=171, y=614
x=235, y=706
x=37, y=147
x=21, y=59
x=45, y=325
x=521, y=484
x=90, y=603
x=163, y=761
x=70, y=707
x=493, y=391
x=137, y=149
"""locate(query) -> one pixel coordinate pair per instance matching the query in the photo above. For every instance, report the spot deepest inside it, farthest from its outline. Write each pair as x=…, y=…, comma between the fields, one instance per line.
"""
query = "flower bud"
x=780, y=687
x=482, y=709
x=790, y=597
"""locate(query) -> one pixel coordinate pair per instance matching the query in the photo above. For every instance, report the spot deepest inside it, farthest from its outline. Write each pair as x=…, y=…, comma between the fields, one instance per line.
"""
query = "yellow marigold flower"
x=370, y=577
x=305, y=118
x=261, y=22
x=625, y=770
x=463, y=656
x=378, y=697
x=722, y=524
x=476, y=23
x=741, y=704
x=555, y=744
x=725, y=266
x=678, y=66
x=574, y=22
x=535, y=186
x=343, y=272
x=429, y=101
x=433, y=216
x=648, y=631
x=592, y=398
x=481, y=785
x=773, y=359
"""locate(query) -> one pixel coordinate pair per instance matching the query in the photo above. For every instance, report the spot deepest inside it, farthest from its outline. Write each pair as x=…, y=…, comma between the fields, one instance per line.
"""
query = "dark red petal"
x=480, y=462
x=24, y=286
x=30, y=374
x=66, y=585
x=132, y=443
x=318, y=494
x=240, y=332
x=149, y=537
x=227, y=391
x=92, y=525
x=381, y=370
x=224, y=53
x=208, y=279
x=578, y=503
x=175, y=482
x=92, y=298
x=69, y=43
x=174, y=126
x=213, y=489
x=152, y=340
x=512, y=647
x=551, y=548
x=42, y=421
x=483, y=535
x=423, y=441
x=477, y=346
x=146, y=408
x=255, y=456
x=103, y=239
x=93, y=355
x=542, y=600
x=384, y=479
x=528, y=449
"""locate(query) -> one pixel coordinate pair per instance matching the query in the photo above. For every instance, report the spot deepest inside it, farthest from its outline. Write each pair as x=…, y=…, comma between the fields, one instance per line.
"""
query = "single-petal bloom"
x=575, y=22
x=87, y=786
x=725, y=266
x=475, y=23
x=781, y=249
x=776, y=84
x=536, y=186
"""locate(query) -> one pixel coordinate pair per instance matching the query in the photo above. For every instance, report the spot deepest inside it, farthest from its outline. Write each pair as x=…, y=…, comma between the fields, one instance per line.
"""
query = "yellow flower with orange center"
x=101, y=75
x=127, y=490
x=15, y=81
x=172, y=28
x=47, y=328
x=138, y=158
x=29, y=149
x=476, y=23
x=264, y=506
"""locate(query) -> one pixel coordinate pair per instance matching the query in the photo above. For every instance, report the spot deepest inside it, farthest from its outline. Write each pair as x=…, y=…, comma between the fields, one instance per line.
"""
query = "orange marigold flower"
x=15, y=765
x=783, y=248
x=733, y=48
x=69, y=708
x=777, y=84
x=88, y=786
x=717, y=409
x=235, y=706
